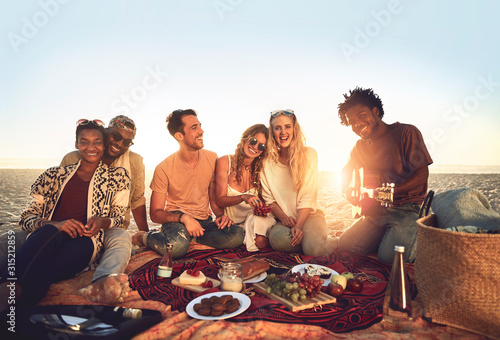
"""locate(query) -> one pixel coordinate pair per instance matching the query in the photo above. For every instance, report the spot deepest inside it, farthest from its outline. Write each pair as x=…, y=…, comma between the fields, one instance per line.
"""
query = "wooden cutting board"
x=196, y=289
x=320, y=299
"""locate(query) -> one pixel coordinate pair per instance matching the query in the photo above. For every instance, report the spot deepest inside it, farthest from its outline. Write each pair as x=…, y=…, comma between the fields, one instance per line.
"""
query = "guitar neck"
x=385, y=194
x=369, y=192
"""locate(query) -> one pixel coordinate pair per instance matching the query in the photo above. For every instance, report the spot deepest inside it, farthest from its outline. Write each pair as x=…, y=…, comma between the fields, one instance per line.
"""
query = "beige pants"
x=316, y=241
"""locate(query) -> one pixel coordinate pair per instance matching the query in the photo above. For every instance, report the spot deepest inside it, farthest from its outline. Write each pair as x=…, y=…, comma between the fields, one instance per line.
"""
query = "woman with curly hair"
x=290, y=187
x=238, y=186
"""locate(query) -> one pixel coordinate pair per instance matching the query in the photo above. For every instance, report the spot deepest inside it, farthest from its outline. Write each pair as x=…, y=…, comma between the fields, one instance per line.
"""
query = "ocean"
x=15, y=187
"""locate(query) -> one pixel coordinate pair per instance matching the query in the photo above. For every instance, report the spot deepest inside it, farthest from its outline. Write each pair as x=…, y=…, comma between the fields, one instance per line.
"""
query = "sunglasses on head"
x=262, y=147
x=287, y=113
x=97, y=122
x=118, y=137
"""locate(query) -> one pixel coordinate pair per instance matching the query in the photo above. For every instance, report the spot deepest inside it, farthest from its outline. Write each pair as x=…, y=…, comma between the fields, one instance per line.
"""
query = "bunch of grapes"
x=262, y=211
x=294, y=286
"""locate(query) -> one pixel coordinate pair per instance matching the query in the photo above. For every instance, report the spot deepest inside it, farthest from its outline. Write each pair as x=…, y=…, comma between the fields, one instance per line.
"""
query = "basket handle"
x=426, y=204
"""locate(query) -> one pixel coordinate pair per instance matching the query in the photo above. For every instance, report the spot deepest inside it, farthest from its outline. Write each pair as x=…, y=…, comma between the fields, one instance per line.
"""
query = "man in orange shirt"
x=184, y=191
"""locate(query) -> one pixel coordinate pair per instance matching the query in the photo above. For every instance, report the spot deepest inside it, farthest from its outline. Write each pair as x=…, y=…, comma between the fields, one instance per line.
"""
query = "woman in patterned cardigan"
x=71, y=206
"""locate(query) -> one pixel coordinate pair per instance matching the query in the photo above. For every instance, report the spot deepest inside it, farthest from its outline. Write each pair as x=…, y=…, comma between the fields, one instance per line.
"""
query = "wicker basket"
x=458, y=277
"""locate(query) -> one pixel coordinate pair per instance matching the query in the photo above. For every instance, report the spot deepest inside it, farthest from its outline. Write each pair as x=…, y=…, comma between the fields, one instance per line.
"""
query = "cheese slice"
x=186, y=279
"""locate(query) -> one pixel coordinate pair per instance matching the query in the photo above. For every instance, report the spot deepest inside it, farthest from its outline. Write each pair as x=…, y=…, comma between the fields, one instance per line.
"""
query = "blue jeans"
x=47, y=256
x=177, y=234
x=114, y=260
x=117, y=248
x=395, y=226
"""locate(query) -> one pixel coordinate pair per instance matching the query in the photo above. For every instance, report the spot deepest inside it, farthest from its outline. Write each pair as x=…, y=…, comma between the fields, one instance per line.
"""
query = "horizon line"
x=37, y=164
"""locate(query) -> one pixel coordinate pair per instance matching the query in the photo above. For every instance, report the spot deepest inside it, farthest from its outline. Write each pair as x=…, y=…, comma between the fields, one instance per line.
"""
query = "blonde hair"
x=298, y=162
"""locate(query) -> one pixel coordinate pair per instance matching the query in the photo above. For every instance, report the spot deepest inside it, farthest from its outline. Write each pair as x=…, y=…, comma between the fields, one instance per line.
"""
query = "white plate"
x=301, y=269
x=256, y=278
x=244, y=304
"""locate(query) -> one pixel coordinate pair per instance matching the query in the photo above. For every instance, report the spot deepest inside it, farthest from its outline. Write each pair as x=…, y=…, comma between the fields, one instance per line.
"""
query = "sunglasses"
x=287, y=113
x=97, y=122
x=118, y=137
x=262, y=147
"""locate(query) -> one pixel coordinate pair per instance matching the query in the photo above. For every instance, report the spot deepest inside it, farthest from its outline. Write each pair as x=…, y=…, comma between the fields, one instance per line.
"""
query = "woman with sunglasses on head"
x=71, y=207
x=119, y=137
x=238, y=187
x=290, y=187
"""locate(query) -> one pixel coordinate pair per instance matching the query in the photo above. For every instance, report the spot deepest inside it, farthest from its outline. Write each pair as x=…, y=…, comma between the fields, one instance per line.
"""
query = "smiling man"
x=387, y=153
x=68, y=216
x=119, y=138
x=108, y=283
x=184, y=191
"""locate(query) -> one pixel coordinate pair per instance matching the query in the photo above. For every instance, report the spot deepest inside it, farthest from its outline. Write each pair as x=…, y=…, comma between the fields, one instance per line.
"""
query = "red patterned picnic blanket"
x=352, y=310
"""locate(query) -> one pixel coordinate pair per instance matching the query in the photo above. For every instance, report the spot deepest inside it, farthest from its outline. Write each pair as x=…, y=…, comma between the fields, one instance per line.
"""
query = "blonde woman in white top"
x=238, y=186
x=290, y=187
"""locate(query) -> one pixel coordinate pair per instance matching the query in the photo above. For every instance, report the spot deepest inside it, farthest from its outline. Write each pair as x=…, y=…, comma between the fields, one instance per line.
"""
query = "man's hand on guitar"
x=352, y=195
x=362, y=199
x=366, y=193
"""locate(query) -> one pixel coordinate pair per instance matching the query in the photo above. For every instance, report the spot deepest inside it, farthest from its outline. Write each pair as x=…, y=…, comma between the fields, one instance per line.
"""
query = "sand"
x=15, y=186
x=14, y=198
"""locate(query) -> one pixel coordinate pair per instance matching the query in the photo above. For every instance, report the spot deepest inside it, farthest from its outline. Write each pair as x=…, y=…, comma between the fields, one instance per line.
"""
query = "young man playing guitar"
x=390, y=153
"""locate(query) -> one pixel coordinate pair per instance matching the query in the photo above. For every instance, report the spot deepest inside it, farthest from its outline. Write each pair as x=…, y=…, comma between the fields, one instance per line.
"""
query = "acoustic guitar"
x=370, y=192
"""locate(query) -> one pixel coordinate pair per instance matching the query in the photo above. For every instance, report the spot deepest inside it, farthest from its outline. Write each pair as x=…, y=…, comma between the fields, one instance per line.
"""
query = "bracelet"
x=179, y=220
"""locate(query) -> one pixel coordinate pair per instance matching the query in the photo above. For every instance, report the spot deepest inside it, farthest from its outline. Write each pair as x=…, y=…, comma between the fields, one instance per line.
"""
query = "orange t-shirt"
x=186, y=188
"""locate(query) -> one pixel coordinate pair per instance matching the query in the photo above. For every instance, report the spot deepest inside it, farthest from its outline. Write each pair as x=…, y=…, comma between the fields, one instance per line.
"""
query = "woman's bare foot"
x=137, y=238
x=110, y=289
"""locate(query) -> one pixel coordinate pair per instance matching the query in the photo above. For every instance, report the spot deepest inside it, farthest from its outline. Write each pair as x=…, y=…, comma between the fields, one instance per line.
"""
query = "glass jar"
x=231, y=277
x=165, y=266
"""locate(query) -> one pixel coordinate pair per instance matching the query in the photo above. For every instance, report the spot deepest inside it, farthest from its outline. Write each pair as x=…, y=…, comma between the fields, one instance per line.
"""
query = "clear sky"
x=435, y=64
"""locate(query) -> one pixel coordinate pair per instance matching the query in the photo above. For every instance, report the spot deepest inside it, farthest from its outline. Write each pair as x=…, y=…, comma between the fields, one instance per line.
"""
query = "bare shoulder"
x=223, y=160
x=222, y=164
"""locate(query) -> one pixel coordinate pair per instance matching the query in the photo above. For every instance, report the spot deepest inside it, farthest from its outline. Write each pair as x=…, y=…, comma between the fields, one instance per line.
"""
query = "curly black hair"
x=359, y=96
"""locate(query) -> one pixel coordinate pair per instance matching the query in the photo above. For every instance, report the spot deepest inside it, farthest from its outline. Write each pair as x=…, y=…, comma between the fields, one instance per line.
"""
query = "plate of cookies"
x=218, y=305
